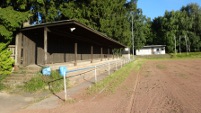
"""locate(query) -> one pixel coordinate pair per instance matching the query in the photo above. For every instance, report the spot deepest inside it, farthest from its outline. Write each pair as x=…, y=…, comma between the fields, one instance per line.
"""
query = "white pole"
x=95, y=74
x=108, y=68
x=65, y=90
x=121, y=63
x=116, y=65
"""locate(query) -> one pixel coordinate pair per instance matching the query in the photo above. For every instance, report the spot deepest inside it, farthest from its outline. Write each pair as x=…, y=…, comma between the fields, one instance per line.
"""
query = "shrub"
x=54, y=82
x=35, y=84
x=6, y=62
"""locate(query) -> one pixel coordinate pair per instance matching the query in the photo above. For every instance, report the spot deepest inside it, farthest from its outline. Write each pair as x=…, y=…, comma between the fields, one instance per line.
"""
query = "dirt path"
x=164, y=86
x=171, y=86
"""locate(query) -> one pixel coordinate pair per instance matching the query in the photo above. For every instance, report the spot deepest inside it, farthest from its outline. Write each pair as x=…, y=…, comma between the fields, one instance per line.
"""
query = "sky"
x=155, y=8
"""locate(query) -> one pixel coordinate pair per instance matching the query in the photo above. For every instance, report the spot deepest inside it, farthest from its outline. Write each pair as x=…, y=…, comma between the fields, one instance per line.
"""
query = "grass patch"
x=35, y=84
x=185, y=55
x=110, y=83
x=161, y=66
x=54, y=83
x=2, y=86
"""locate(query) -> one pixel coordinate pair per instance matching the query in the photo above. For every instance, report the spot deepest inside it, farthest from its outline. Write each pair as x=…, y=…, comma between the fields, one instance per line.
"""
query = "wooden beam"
x=45, y=44
x=75, y=51
x=113, y=53
x=24, y=50
x=18, y=48
x=92, y=54
x=108, y=53
x=101, y=54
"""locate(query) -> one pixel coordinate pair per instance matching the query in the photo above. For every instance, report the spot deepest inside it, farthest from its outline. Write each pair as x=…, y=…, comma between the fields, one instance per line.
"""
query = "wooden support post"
x=95, y=74
x=101, y=54
x=24, y=56
x=92, y=54
x=18, y=48
x=75, y=50
x=108, y=53
x=45, y=44
x=113, y=53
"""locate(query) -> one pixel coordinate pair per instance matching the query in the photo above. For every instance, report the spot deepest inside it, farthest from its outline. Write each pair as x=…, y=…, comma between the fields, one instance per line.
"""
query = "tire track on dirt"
x=162, y=98
x=132, y=100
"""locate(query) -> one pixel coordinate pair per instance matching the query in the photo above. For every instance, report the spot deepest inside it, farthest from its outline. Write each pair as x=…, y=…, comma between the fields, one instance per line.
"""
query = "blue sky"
x=155, y=8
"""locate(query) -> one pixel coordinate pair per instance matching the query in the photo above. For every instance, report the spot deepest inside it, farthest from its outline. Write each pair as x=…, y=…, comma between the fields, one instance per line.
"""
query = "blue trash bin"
x=63, y=70
x=46, y=71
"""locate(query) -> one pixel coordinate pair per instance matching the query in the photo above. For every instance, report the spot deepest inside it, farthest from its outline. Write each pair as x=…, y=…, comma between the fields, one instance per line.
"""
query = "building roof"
x=80, y=32
x=152, y=46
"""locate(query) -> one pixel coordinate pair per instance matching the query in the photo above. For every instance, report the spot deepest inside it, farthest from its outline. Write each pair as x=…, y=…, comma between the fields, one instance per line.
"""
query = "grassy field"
x=185, y=55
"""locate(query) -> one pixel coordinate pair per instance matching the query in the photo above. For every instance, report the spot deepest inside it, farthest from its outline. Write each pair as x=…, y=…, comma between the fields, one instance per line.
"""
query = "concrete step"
x=20, y=77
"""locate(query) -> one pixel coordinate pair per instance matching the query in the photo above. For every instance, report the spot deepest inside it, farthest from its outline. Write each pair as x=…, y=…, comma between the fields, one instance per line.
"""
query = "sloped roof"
x=81, y=32
x=153, y=46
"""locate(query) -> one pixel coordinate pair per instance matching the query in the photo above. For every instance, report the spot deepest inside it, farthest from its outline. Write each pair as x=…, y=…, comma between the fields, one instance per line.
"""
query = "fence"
x=12, y=49
x=103, y=69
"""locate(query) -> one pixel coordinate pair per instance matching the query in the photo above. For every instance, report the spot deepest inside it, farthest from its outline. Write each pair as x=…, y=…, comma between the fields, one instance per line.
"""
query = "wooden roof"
x=81, y=32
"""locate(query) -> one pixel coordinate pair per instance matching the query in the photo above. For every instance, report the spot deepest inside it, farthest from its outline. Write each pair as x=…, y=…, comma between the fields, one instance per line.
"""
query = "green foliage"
x=5, y=33
x=10, y=21
x=1, y=86
x=35, y=84
x=180, y=27
x=105, y=16
x=5, y=60
x=54, y=83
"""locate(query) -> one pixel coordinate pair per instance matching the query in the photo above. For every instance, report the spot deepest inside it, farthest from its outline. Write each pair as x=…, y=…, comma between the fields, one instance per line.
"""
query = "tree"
x=108, y=17
x=182, y=27
x=10, y=21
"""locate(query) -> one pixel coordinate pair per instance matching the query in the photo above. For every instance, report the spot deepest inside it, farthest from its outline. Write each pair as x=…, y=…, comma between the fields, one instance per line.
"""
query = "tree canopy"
x=182, y=27
x=10, y=21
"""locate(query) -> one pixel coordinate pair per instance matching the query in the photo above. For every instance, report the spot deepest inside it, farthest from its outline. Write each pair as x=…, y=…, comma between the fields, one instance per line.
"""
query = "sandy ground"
x=171, y=86
x=161, y=86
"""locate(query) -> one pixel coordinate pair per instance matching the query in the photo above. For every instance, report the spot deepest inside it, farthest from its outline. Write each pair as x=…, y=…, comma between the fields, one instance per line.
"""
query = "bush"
x=35, y=84
x=54, y=82
x=6, y=62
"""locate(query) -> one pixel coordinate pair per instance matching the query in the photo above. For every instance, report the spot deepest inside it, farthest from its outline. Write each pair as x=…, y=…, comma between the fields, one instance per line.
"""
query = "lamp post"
x=132, y=34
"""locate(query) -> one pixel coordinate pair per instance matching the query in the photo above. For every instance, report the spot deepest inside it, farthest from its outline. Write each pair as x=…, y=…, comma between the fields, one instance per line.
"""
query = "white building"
x=151, y=50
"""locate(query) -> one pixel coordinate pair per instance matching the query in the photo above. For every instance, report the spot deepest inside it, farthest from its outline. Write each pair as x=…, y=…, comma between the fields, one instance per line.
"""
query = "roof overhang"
x=153, y=46
x=78, y=31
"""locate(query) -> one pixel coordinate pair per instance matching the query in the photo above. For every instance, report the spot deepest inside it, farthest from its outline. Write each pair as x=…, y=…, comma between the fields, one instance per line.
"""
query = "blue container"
x=46, y=71
x=63, y=70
